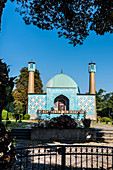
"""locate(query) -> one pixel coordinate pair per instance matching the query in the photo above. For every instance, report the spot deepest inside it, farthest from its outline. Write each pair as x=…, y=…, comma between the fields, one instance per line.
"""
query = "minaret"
x=31, y=69
x=92, y=70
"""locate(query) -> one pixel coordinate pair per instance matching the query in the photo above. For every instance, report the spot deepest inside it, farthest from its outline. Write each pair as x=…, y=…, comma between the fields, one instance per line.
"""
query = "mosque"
x=62, y=96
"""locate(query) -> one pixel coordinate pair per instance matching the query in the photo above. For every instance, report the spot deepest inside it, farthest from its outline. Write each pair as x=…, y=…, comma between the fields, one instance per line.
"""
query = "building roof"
x=61, y=80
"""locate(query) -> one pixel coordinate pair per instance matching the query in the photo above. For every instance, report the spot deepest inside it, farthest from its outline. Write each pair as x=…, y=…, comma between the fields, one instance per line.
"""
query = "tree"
x=6, y=87
x=104, y=103
x=18, y=110
x=7, y=156
x=21, y=91
x=73, y=19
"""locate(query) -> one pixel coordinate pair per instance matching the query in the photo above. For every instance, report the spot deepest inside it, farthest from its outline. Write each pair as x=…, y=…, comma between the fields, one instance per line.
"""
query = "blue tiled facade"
x=36, y=102
x=62, y=95
x=52, y=93
x=46, y=101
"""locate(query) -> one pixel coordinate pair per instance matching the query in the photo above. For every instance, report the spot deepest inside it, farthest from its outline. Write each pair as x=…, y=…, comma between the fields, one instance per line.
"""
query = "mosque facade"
x=62, y=96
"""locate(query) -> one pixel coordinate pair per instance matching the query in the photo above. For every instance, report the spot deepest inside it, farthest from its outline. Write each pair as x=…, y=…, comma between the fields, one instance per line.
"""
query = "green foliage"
x=26, y=117
x=21, y=91
x=98, y=118
x=105, y=119
x=5, y=114
x=6, y=86
x=73, y=19
x=104, y=102
x=19, y=110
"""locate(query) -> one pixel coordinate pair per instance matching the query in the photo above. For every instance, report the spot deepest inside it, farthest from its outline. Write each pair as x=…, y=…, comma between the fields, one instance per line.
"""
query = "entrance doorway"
x=61, y=103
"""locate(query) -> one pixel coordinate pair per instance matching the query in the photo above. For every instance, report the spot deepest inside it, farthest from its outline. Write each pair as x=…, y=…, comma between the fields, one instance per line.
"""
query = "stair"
x=21, y=133
x=104, y=134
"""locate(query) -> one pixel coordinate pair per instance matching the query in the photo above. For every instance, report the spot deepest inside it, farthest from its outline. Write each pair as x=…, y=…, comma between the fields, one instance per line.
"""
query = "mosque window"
x=31, y=66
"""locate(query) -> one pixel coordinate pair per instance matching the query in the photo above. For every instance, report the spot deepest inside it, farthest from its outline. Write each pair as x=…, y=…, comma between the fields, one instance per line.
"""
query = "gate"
x=64, y=157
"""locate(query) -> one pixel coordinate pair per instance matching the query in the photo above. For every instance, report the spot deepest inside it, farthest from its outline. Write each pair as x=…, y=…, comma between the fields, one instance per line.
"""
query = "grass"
x=15, y=124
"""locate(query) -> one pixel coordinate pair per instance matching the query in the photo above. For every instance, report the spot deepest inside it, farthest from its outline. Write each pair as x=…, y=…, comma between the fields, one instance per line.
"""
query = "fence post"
x=63, y=157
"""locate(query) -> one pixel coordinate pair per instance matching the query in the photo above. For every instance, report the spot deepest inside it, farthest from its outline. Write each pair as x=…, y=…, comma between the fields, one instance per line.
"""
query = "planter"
x=76, y=135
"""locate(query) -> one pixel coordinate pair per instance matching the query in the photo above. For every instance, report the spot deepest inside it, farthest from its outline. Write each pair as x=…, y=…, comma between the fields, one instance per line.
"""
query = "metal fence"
x=64, y=157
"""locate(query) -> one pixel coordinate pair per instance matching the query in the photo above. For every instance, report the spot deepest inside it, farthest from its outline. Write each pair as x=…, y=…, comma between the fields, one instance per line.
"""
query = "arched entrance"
x=61, y=103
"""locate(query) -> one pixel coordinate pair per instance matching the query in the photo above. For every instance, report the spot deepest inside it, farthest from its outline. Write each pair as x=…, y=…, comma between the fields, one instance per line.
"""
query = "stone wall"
x=75, y=135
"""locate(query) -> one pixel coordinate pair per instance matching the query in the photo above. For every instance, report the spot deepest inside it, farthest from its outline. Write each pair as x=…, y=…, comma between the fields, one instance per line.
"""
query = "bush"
x=86, y=123
x=4, y=114
x=62, y=122
x=26, y=117
x=105, y=119
x=98, y=118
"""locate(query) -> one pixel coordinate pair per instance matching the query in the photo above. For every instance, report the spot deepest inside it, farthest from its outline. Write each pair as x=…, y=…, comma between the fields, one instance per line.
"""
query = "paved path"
x=101, y=126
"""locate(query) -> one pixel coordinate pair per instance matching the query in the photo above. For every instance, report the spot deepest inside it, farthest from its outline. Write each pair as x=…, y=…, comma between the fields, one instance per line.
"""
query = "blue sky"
x=19, y=43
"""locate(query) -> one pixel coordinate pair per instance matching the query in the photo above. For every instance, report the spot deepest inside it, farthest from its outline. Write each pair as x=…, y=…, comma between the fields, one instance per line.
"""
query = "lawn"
x=23, y=124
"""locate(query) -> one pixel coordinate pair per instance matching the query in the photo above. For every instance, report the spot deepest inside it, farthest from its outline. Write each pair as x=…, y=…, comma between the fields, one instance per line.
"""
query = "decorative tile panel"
x=52, y=93
x=36, y=102
x=86, y=103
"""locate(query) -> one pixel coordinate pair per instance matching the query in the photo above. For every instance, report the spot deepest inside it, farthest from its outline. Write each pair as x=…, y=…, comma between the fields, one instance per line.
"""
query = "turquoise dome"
x=61, y=80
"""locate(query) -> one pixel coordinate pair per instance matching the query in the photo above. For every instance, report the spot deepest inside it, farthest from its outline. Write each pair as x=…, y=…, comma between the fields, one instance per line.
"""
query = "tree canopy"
x=21, y=83
x=6, y=87
x=73, y=19
x=104, y=103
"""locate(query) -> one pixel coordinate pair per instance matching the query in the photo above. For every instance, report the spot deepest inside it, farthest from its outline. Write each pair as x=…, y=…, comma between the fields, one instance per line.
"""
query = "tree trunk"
x=2, y=5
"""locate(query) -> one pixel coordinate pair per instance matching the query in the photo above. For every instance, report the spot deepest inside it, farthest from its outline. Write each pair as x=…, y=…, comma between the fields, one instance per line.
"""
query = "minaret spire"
x=61, y=70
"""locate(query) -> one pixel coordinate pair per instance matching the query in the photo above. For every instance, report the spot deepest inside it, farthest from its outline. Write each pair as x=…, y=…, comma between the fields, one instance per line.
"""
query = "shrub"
x=62, y=122
x=98, y=118
x=26, y=117
x=86, y=123
x=4, y=114
x=105, y=119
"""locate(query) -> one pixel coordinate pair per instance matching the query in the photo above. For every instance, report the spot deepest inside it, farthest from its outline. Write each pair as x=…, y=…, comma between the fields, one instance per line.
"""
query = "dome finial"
x=61, y=70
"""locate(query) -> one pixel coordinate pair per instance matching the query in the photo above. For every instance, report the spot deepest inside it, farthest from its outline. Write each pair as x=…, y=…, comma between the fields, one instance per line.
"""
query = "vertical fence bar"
x=56, y=159
x=33, y=160
x=112, y=158
x=50, y=158
x=97, y=156
x=107, y=158
x=44, y=157
x=38, y=157
x=76, y=157
x=91, y=157
x=86, y=157
x=102, y=158
x=81, y=157
x=70, y=158
x=63, y=157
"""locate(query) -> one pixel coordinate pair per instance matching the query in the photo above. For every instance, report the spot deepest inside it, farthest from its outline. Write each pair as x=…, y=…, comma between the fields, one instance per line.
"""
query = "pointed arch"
x=61, y=102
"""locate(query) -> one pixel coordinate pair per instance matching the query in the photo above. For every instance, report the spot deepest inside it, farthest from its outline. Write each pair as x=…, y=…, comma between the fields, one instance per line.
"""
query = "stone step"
x=21, y=133
x=104, y=138
x=104, y=134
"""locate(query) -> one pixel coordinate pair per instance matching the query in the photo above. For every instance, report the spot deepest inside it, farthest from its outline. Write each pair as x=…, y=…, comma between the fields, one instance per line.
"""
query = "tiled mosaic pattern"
x=36, y=102
x=87, y=103
x=76, y=102
x=52, y=93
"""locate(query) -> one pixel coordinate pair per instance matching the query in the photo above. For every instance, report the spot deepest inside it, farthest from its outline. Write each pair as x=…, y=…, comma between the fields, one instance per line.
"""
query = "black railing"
x=64, y=157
